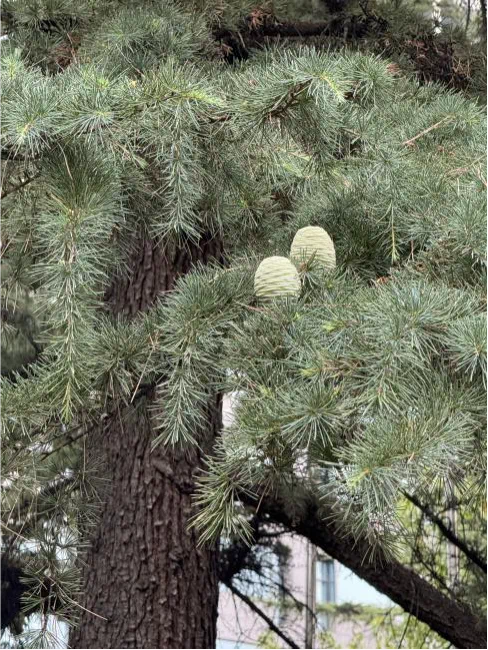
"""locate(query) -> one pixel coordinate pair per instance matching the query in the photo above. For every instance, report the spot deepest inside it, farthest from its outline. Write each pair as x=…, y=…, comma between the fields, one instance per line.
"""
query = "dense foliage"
x=121, y=121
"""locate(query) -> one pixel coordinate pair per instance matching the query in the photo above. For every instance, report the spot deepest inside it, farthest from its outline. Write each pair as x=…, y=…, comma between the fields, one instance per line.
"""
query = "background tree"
x=141, y=143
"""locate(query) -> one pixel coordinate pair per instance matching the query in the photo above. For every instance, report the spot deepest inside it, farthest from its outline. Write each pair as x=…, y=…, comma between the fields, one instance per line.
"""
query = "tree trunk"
x=146, y=582
x=483, y=19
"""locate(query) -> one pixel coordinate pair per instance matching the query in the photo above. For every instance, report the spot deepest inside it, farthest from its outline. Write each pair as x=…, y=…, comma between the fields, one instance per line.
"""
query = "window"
x=324, y=590
x=325, y=576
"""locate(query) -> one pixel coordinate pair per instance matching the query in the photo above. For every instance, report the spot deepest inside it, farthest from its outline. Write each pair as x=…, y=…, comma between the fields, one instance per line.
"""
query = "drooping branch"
x=9, y=155
x=233, y=558
x=239, y=556
x=433, y=57
x=28, y=510
x=260, y=26
x=284, y=29
x=336, y=6
x=257, y=610
x=448, y=533
x=314, y=521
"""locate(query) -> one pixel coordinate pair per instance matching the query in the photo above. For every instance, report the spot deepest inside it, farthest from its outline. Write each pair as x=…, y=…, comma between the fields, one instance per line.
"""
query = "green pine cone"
x=276, y=277
x=313, y=242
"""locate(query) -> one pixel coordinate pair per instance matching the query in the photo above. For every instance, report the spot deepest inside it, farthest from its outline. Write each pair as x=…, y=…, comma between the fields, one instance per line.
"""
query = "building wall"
x=239, y=627
x=237, y=622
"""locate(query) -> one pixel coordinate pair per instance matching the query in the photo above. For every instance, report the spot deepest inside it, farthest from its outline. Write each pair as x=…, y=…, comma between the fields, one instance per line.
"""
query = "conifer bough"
x=141, y=179
x=313, y=243
x=276, y=277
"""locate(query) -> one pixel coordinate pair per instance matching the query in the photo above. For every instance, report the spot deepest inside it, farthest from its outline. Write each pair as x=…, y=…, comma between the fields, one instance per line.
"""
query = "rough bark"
x=483, y=19
x=146, y=582
x=405, y=587
x=154, y=271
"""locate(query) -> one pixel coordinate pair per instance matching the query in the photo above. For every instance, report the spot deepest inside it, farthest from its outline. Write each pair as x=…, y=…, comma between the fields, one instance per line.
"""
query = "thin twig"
x=405, y=629
x=19, y=186
x=68, y=441
x=470, y=553
x=260, y=613
x=480, y=176
x=428, y=130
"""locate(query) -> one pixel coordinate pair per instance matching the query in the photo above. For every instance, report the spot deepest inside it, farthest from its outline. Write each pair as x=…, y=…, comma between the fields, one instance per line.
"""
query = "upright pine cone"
x=313, y=243
x=276, y=277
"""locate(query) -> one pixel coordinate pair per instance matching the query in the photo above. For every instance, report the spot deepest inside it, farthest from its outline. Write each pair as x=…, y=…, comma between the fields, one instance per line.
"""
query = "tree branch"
x=19, y=186
x=259, y=25
x=428, y=130
x=257, y=610
x=284, y=29
x=233, y=559
x=470, y=553
x=316, y=522
x=7, y=155
x=13, y=590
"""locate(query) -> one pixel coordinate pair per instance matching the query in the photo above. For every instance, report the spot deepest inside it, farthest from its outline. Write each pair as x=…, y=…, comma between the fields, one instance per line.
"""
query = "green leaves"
x=467, y=227
x=35, y=13
x=297, y=95
x=92, y=100
x=233, y=469
x=181, y=103
x=193, y=323
x=138, y=38
x=121, y=355
x=310, y=414
x=361, y=382
x=76, y=218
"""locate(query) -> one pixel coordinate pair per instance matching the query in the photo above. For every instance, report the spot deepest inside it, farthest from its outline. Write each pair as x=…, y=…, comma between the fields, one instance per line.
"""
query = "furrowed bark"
x=146, y=582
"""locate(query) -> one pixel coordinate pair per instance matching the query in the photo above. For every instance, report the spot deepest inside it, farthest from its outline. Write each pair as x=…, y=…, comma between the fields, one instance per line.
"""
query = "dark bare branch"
x=12, y=591
x=448, y=533
x=257, y=610
x=18, y=186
